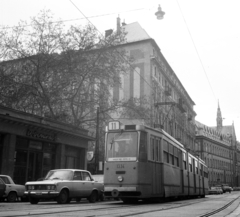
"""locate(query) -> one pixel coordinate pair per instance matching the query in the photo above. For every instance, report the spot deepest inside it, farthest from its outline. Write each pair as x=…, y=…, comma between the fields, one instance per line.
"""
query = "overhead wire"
x=195, y=47
x=70, y=20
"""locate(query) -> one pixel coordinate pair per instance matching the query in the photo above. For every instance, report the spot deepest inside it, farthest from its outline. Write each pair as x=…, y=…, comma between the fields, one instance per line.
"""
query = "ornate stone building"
x=217, y=146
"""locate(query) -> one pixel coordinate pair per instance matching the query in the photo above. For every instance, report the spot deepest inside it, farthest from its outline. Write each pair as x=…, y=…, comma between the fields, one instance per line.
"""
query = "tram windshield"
x=122, y=146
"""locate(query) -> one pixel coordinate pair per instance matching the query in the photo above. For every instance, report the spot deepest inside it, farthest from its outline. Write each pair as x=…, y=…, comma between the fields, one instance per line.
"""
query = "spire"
x=219, y=119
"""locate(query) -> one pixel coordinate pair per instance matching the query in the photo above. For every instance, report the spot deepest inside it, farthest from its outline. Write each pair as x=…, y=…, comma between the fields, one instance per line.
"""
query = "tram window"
x=165, y=151
x=171, y=159
x=196, y=167
x=171, y=149
x=190, y=164
x=184, y=161
x=159, y=150
x=142, y=148
x=165, y=157
x=165, y=145
x=156, y=149
x=152, y=148
x=176, y=158
x=201, y=168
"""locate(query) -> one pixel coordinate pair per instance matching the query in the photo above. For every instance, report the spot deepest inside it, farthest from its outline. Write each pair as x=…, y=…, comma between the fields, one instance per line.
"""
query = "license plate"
x=38, y=193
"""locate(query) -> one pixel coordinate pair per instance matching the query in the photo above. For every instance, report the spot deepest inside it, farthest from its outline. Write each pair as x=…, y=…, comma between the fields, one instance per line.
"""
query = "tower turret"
x=219, y=119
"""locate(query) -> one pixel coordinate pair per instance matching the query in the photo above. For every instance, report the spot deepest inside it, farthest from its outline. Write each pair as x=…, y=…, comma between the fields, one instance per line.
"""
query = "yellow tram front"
x=126, y=173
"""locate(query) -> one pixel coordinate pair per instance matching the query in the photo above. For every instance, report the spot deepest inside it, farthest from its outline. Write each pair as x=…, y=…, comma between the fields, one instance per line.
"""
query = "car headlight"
x=30, y=187
x=120, y=178
x=51, y=187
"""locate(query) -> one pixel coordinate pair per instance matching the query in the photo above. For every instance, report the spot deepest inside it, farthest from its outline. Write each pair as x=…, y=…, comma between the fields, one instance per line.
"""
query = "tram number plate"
x=120, y=166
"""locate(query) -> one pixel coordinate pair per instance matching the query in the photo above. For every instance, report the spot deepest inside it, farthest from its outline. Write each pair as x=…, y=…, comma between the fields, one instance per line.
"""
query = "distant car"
x=220, y=190
x=215, y=190
x=226, y=188
x=236, y=188
x=2, y=189
x=13, y=191
x=64, y=185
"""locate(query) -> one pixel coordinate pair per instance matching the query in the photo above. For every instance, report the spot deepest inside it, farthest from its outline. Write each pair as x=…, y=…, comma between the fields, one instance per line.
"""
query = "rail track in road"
x=112, y=208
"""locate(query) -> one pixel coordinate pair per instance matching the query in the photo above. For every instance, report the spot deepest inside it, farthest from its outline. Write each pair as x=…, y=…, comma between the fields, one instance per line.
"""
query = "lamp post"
x=97, y=143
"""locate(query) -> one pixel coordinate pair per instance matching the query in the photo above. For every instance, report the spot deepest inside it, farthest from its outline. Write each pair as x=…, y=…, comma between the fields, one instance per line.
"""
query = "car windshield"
x=122, y=146
x=59, y=174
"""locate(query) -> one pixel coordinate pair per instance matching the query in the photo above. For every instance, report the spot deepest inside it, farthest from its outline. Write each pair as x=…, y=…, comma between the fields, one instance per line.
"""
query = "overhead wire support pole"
x=97, y=144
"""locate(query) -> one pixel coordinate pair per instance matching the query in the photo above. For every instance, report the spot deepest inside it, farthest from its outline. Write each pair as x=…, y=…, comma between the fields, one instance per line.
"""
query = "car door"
x=8, y=184
x=88, y=183
x=77, y=184
x=2, y=188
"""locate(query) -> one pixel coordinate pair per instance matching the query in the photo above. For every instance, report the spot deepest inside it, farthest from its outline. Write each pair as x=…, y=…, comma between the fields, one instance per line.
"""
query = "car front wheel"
x=12, y=196
x=93, y=197
x=62, y=197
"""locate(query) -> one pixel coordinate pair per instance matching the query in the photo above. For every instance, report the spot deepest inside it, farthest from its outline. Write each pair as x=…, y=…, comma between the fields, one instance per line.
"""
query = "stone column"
x=9, y=143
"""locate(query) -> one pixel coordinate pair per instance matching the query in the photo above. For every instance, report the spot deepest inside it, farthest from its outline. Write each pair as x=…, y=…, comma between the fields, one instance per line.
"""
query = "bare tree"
x=64, y=74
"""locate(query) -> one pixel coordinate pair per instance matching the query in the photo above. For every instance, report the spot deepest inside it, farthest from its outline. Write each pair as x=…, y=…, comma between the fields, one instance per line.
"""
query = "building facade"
x=31, y=145
x=170, y=106
x=217, y=146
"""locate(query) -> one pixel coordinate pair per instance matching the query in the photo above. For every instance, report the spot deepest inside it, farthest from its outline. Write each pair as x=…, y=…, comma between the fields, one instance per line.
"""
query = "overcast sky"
x=200, y=39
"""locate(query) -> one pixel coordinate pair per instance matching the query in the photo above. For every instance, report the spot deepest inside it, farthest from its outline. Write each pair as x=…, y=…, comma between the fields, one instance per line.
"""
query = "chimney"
x=118, y=24
x=123, y=23
x=108, y=32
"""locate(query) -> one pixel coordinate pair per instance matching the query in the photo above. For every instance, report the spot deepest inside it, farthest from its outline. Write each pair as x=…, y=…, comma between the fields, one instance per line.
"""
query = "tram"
x=143, y=163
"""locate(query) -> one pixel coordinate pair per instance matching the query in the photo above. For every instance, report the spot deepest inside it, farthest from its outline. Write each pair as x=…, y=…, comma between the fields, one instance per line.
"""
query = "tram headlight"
x=120, y=178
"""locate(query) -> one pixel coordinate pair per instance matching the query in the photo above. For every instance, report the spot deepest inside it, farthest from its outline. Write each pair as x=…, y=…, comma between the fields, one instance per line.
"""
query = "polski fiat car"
x=63, y=185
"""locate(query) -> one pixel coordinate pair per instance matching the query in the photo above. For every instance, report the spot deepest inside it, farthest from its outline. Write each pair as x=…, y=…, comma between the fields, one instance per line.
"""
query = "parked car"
x=236, y=188
x=226, y=188
x=64, y=185
x=220, y=190
x=13, y=191
x=215, y=190
x=2, y=189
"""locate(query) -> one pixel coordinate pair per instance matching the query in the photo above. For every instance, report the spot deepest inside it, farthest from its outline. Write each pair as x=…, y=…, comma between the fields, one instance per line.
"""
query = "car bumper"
x=42, y=194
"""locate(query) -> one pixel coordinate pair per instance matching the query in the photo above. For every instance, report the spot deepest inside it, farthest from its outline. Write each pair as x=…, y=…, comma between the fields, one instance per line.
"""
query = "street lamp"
x=159, y=13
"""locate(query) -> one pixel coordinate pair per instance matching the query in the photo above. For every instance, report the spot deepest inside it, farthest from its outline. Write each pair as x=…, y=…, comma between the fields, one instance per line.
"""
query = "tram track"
x=110, y=209
x=220, y=209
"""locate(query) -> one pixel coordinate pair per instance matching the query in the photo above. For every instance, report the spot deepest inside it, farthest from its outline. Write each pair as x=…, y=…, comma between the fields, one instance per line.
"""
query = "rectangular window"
x=156, y=150
x=142, y=147
x=176, y=157
x=190, y=164
x=152, y=149
x=196, y=167
x=165, y=151
x=165, y=145
x=171, y=159
x=165, y=157
x=184, y=161
x=159, y=150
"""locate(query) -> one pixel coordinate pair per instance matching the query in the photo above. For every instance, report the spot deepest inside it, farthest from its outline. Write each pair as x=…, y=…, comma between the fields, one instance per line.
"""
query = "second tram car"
x=147, y=163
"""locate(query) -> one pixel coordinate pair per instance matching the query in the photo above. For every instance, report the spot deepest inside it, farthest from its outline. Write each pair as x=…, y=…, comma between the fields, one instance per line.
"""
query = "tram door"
x=34, y=166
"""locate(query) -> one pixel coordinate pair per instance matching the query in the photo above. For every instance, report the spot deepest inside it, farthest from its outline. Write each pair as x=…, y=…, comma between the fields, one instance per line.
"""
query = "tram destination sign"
x=40, y=135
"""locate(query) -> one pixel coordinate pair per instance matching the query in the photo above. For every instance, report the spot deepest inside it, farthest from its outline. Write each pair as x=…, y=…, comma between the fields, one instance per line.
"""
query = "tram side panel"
x=172, y=180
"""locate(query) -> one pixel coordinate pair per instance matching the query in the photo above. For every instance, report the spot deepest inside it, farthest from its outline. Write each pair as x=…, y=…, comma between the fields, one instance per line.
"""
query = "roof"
x=135, y=32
